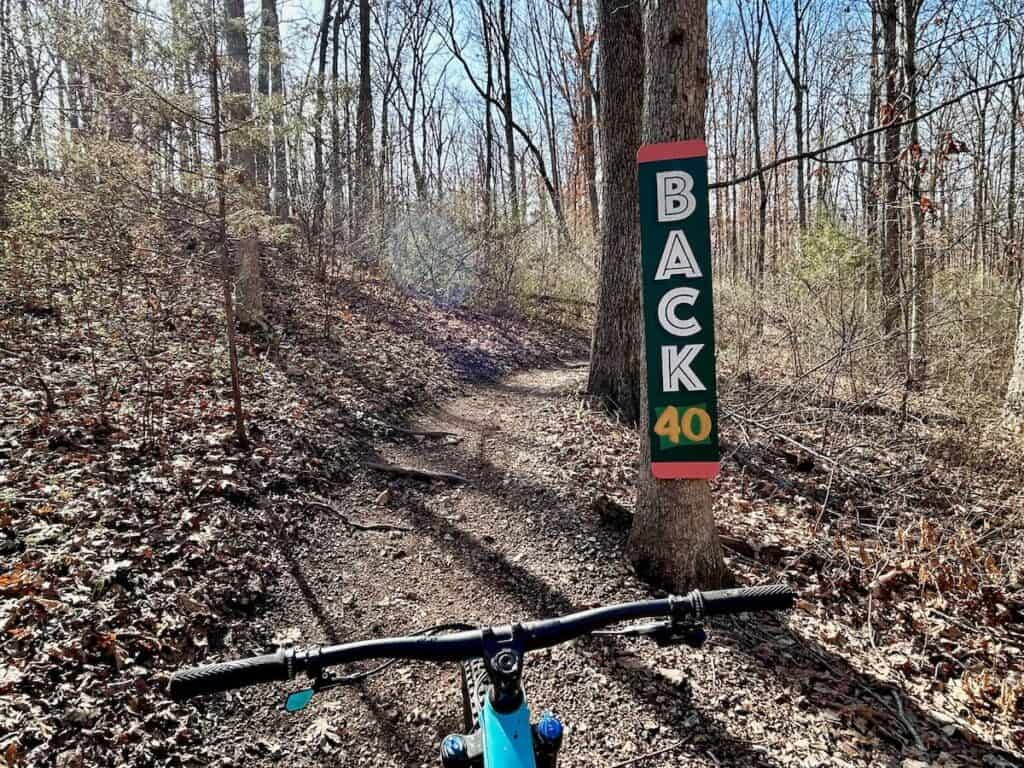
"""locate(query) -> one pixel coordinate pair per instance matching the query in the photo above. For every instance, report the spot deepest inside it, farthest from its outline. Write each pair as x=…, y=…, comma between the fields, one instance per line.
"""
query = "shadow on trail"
x=834, y=684
x=403, y=743
x=539, y=598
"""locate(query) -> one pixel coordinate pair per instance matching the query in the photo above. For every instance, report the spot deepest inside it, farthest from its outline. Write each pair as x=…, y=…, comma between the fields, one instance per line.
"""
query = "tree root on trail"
x=420, y=474
x=421, y=432
x=352, y=523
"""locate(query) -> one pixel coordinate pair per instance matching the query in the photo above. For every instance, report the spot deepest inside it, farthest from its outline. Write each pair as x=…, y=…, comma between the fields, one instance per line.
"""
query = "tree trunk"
x=673, y=541
x=262, y=149
x=870, y=190
x=249, y=285
x=917, y=352
x=485, y=25
x=889, y=262
x=798, y=114
x=337, y=184
x=273, y=28
x=319, y=178
x=119, y=37
x=1011, y=201
x=616, y=348
x=364, y=131
x=239, y=101
x=229, y=310
x=587, y=116
x=505, y=49
x=1015, y=389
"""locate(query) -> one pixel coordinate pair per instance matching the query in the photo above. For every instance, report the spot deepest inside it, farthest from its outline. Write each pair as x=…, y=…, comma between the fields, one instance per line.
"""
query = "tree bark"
x=364, y=131
x=229, y=310
x=319, y=177
x=1015, y=389
x=615, y=352
x=337, y=183
x=917, y=352
x=485, y=26
x=282, y=206
x=673, y=541
x=870, y=189
x=889, y=262
x=587, y=115
x=798, y=112
x=505, y=51
x=119, y=37
x=239, y=101
x=262, y=149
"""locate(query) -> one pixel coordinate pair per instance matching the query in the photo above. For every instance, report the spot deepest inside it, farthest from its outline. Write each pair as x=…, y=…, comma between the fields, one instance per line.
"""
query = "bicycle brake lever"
x=672, y=633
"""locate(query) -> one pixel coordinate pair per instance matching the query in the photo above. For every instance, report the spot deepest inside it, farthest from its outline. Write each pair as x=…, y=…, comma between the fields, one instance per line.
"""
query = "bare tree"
x=889, y=266
x=917, y=348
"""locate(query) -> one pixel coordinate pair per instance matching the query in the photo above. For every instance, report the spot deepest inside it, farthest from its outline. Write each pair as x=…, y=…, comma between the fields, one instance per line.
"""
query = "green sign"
x=675, y=247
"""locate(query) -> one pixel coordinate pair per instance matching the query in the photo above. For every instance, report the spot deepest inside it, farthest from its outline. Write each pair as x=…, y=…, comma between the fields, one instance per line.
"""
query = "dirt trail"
x=521, y=540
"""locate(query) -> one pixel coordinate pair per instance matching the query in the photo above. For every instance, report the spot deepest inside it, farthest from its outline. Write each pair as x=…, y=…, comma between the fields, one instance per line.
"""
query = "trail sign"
x=675, y=253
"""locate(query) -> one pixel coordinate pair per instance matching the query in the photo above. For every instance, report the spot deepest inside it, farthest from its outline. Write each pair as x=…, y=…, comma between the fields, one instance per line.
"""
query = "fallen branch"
x=420, y=474
x=354, y=525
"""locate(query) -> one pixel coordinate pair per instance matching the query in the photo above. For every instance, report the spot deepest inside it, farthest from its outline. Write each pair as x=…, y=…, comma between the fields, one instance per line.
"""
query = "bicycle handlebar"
x=460, y=646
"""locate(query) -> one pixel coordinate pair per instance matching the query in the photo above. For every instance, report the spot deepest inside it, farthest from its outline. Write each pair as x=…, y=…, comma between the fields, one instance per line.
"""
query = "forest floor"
x=129, y=558
x=536, y=532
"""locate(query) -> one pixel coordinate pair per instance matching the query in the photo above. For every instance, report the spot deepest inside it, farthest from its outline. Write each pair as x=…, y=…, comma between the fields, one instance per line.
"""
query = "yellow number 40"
x=694, y=426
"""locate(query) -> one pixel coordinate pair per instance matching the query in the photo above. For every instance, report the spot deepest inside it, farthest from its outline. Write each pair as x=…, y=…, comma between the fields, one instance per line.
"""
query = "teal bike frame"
x=508, y=739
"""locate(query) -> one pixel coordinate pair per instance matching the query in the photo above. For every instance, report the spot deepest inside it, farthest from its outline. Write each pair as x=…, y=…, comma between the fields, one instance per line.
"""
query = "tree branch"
x=813, y=153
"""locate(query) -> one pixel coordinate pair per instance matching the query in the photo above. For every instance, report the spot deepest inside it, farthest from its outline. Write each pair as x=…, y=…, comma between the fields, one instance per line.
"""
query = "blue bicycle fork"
x=501, y=735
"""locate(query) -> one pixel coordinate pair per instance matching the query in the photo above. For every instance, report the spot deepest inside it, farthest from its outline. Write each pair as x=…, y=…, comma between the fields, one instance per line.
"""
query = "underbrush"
x=134, y=532
x=899, y=509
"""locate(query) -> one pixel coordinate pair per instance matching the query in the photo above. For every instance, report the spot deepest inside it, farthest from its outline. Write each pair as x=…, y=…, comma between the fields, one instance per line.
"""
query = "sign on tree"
x=675, y=245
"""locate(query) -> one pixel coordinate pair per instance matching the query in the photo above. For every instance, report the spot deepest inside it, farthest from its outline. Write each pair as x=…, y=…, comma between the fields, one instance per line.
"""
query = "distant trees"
x=520, y=118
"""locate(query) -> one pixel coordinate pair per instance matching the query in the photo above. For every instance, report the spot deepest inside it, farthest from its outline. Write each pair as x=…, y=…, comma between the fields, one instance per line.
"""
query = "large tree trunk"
x=337, y=180
x=364, y=131
x=229, y=308
x=273, y=29
x=673, y=541
x=243, y=158
x=485, y=26
x=238, y=104
x=118, y=31
x=889, y=262
x=616, y=347
x=917, y=352
x=1015, y=389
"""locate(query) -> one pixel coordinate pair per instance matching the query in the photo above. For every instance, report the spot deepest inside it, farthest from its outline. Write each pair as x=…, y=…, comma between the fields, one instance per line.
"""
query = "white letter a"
x=677, y=258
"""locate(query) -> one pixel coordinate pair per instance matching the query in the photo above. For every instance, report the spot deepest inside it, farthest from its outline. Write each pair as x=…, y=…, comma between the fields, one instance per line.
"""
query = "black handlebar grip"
x=228, y=675
x=774, y=597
